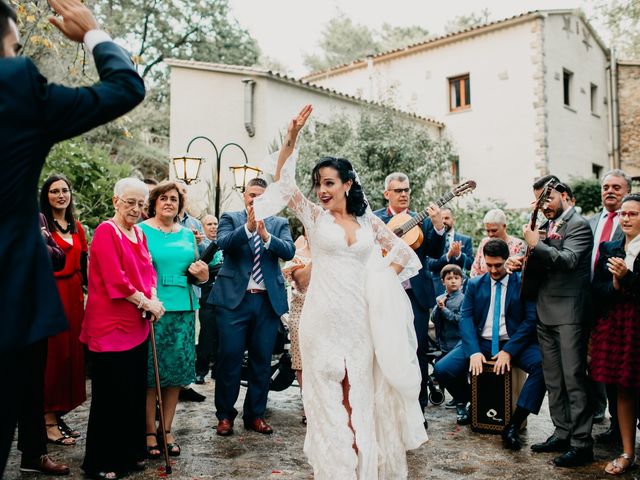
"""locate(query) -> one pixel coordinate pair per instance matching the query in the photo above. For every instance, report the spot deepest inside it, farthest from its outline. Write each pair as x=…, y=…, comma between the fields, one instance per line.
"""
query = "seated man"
x=504, y=330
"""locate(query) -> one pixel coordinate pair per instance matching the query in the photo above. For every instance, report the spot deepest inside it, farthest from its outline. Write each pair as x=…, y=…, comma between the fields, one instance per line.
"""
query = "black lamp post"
x=187, y=168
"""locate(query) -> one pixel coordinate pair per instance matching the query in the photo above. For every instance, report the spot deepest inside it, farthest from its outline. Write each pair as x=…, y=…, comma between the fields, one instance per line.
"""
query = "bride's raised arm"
x=288, y=145
x=284, y=191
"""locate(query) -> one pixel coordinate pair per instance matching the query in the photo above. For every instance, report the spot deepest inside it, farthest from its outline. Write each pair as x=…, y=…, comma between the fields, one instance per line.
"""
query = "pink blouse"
x=118, y=268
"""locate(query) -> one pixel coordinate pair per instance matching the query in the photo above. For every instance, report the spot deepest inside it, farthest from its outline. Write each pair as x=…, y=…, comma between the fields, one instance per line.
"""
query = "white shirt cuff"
x=267, y=243
x=94, y=37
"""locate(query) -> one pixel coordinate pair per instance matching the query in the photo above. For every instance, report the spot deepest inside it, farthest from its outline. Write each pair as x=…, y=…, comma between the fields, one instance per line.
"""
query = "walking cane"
x=154, y=353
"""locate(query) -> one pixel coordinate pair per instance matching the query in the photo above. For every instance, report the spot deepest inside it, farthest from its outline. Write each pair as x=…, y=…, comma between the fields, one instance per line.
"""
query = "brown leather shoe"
x=44, y=465
x=259, y=425
x=225, y=427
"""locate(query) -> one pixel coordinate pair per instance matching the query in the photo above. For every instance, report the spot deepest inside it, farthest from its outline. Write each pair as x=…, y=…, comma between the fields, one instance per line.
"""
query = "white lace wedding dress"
x=356, y=320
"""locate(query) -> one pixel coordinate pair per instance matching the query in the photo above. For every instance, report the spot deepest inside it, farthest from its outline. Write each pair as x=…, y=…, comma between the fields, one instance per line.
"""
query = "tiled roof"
x=479, y=29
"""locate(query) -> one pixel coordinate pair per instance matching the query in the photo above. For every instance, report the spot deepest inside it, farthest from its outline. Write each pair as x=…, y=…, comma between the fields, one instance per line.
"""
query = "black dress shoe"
x=510, y=438
x=575, y=457
x=190, y=395
x=552, y=444
x=463, y=415
x=611, y=436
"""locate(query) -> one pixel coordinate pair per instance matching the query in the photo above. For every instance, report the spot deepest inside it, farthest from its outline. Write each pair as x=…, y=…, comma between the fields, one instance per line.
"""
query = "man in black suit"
x=34, y=115
x=605, y=226
x=563, y=256
x=420, y=290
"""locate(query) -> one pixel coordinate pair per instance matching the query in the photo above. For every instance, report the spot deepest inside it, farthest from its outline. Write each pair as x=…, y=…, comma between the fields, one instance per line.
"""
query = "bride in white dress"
x=360, y=371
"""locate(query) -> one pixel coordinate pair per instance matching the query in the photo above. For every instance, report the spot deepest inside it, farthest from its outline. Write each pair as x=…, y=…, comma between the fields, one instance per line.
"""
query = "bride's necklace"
x=59, y=227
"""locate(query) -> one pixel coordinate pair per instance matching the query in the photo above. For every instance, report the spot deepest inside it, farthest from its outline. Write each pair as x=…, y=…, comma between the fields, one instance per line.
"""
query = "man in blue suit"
x=457, y=250
x=34, y=115
x=249, y=298
x=494, y=323
x=397, y=191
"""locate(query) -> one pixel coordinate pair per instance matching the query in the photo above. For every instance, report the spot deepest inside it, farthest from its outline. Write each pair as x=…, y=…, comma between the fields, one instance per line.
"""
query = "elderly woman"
x=122, y=291
x=64, y=385
x=615, y=341
x=175, y=255
x=495, y=224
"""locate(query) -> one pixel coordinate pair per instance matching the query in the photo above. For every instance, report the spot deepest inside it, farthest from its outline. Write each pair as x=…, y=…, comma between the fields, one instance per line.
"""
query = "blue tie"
x=495, y=333
x=256, y=272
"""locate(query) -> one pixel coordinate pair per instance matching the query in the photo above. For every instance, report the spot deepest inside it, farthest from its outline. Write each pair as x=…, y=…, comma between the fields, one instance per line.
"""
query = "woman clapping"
x=615, y=342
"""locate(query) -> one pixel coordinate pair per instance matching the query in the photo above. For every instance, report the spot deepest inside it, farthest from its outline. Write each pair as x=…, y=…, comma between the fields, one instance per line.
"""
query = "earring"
x=346, y=193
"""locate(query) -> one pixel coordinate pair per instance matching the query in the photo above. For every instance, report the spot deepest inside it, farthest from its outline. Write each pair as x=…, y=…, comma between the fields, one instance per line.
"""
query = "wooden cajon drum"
x=494, y=398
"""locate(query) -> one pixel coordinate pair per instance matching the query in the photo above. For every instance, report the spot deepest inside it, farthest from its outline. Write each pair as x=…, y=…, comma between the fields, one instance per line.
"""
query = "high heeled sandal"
x=615, y=468
x=172, y=448
x=65, y=439
x=66, y=429
x=151, y=448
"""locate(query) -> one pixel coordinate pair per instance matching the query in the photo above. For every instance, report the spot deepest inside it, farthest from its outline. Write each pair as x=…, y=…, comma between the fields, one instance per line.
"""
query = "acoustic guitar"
x=407, y=227
x=531, y=276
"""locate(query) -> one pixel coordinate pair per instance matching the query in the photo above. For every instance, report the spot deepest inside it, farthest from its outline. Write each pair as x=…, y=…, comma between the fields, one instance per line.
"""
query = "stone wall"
x=629, y=116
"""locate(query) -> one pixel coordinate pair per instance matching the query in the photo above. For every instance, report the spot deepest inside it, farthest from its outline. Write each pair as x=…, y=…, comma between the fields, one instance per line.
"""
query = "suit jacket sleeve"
x=434, y=243
x=282, y=242
x=467, y=254
x=577, y=242
x=526, y=332
x=230, y=237
x=67, y=112
x=468, y=332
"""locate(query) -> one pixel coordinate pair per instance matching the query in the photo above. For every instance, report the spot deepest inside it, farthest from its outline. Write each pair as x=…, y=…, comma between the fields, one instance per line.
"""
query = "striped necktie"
x=256, y=273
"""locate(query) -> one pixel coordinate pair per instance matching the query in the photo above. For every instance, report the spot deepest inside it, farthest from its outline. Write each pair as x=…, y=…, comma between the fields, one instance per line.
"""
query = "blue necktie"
x=256, y=272
x=495, y=333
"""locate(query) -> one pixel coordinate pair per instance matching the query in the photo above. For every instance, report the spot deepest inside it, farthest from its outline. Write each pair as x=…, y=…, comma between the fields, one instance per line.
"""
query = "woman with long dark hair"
x=357, y=341
x=64, y=374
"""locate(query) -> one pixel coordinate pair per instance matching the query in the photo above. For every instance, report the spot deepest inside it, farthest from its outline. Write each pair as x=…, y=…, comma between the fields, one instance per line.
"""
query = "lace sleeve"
x=398, y=251
x=285, y=192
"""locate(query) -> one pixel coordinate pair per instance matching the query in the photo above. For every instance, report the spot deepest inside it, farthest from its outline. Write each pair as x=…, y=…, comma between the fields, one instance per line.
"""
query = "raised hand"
x=298, y=122
x=262, y=231
x=76, y=19
x=251, y=219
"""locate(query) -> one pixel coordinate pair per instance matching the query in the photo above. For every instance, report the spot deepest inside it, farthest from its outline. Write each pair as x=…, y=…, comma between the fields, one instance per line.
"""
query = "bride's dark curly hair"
x=356, y=204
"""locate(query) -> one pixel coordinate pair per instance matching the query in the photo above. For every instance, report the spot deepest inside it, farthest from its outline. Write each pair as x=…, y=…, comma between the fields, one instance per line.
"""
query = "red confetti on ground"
x=276, y=471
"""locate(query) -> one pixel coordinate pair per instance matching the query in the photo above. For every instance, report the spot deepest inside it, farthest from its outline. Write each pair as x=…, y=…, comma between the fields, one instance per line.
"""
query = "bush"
x=587, y=194
x=92, y=175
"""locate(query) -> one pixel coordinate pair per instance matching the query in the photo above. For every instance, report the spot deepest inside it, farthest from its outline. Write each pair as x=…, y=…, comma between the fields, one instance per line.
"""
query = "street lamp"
x=187, y=168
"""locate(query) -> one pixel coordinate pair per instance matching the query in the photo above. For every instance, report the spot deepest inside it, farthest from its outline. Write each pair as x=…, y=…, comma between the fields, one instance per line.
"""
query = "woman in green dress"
x=174, y=253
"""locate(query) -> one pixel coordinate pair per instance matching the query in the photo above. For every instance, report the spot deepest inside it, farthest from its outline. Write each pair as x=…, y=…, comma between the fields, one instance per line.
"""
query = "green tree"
x=378, y=142
x=92, y=175
x=470, y=20
x=344, y=41
x=470, y=213
x=587, y=194
x=622, y=20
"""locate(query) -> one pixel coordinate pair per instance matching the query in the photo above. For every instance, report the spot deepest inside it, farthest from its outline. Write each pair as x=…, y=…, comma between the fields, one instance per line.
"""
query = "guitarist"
x=562, y=306
x=420, y=290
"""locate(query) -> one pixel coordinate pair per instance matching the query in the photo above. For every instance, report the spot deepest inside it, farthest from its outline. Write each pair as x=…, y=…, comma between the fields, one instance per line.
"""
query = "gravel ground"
x=452, y=451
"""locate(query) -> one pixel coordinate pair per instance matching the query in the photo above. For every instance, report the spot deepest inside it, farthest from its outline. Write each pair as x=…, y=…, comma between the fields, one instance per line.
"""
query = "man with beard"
x=563, y=292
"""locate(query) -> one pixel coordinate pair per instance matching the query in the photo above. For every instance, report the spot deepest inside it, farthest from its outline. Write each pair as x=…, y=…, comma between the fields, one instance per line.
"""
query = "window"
x=596, y=171
x=455, y=169
x=594, y=99
x=459, y=93
x=567, y=81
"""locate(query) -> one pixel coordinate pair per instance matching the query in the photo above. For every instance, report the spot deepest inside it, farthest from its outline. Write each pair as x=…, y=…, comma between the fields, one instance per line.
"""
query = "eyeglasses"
x=632, y=214
x=401, y=190
x=57, y=191
x=131, y=203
